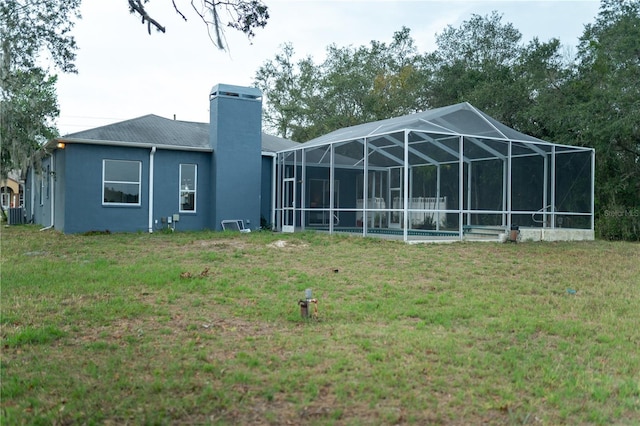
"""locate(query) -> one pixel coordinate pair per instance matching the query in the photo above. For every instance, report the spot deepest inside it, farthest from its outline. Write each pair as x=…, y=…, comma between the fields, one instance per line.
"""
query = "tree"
x=351, y=86
x=241, y=15
x=284, y=83
x=541, y=76
x=480, y=42
x=31, y=28
x=483, y=62
x=373, y=82
x=606, y=114
x=28, y=104
x=27, y=112
x=473, y=63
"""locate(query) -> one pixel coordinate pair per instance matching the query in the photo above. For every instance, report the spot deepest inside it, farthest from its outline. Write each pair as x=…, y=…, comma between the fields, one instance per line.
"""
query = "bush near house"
x=205, y=328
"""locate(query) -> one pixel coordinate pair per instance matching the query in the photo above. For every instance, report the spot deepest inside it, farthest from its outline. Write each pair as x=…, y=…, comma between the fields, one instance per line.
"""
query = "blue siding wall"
x=167, y=189
x=38, y=195
x=83, y=208
x=59, y=189
x=236, y=138
x=82, y=205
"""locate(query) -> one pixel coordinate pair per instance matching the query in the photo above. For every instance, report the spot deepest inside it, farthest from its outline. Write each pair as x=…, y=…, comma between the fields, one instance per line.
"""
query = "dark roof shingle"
x=158, y=131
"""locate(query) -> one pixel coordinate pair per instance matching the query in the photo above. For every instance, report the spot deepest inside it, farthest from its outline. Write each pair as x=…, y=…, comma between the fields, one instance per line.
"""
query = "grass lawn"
x=204, y=328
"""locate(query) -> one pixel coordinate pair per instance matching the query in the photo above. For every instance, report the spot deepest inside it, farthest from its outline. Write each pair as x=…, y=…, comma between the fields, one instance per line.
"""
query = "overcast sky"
x=125, y=73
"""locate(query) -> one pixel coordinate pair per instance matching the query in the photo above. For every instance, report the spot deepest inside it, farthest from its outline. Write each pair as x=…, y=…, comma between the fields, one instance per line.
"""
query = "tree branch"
x=178, y=10
x=137, y=7
x=241, y=15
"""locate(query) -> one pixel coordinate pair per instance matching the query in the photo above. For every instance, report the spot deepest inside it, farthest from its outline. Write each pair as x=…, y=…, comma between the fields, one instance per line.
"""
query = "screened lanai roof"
x=459, y=119
x=434, y=173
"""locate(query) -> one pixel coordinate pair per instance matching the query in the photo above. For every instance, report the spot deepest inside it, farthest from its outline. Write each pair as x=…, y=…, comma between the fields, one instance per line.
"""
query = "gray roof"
x=459, y=119
x=153, y=130
x=272, y=143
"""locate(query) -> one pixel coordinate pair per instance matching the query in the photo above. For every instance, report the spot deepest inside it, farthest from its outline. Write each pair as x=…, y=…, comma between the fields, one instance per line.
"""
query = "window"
x=188, y=185
x=6, y=198
x=41, y=192
x=48, y=181
x=121, y=182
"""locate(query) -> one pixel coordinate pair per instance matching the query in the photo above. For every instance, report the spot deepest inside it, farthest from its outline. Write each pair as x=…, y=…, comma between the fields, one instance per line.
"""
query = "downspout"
x=52, y=173
x=593, y=189
x=32, y=195
x=151, y=161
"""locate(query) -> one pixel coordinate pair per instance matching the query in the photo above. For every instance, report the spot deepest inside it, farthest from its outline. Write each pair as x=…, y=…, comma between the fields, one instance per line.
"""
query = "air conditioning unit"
x=16, y=216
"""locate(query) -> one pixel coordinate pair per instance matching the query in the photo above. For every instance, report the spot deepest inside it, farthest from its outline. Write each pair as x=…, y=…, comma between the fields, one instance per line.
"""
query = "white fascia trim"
x=54, y=142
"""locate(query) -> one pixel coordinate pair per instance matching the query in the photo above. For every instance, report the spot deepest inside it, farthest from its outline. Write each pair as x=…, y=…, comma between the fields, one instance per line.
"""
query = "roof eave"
x=54, y=142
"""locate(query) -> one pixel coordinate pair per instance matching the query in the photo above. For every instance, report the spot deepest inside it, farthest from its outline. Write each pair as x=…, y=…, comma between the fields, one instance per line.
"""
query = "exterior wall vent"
x=230, y=91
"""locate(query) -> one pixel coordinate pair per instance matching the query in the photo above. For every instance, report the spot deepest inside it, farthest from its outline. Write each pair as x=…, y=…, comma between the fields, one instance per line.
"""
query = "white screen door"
x=288, y=204
x=396, y=192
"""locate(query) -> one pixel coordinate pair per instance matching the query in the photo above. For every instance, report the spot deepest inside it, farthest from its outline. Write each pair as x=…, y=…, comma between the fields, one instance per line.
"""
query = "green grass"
x=204, y=328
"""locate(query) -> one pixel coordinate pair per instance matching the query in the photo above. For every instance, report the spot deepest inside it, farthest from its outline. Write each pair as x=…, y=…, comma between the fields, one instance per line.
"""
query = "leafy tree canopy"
x=607, y=113
x=351, y=86
x=31, y=33
x=27, y=110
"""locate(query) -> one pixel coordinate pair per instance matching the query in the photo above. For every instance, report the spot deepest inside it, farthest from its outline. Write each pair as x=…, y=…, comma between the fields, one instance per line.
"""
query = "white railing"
x=430, y=210
x=424, y=203
x=375, y=203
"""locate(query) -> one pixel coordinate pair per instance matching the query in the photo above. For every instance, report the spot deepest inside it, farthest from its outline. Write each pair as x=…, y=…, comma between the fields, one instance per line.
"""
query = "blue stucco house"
x=450, y=173
x=152, y=173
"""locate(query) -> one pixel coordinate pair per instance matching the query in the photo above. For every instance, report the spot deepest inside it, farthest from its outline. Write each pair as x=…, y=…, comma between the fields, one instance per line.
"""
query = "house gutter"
x=151, y=161
x=32, y=195
x=53, y=142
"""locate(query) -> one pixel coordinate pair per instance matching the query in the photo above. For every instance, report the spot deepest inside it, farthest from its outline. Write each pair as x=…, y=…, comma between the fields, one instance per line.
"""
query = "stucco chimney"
x=236, y=138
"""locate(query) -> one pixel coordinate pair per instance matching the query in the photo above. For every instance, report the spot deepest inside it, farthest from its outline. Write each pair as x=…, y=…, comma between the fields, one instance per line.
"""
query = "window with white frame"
x=48, y=182
x=6, y=198
x=188, y=185
x=41, y=192
x=121, y=182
